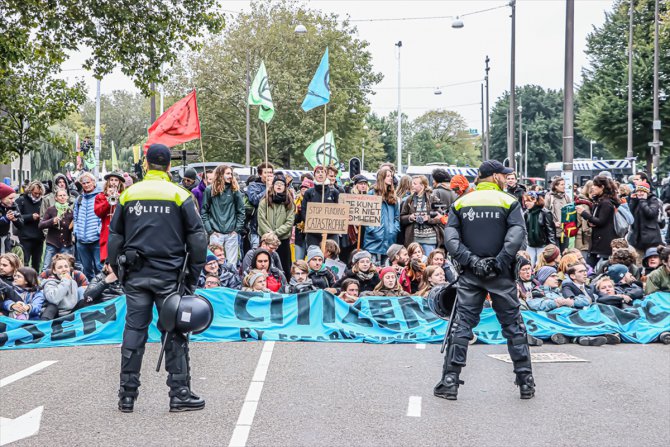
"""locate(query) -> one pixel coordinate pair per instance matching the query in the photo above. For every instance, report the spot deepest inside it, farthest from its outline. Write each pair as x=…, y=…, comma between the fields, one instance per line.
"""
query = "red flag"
x=179, y=124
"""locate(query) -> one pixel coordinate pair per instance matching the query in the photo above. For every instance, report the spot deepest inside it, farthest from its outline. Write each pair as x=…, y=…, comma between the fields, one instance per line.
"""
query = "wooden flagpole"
x=265, y=131
x=323, y=188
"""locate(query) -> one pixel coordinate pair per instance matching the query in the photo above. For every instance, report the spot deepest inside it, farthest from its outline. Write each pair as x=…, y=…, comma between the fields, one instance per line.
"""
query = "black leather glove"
x=484, y=268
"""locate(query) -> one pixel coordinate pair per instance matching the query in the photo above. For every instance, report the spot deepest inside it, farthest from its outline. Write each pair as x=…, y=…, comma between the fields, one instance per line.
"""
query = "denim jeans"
x=88, y=256
x=230, y=244
x=51, y=251
x=427, y=249
x=535, y=253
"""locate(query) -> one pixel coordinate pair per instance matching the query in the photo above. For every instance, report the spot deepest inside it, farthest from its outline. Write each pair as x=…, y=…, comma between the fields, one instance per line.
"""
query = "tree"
x=542, y=118
x=442, y=136
x=32, y=101
x=604, y=91
x=266, y=33
x=136, y=36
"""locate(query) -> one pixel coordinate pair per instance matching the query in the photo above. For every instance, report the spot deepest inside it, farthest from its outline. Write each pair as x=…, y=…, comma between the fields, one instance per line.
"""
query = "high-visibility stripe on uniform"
x=483, y=197
x=154, y=188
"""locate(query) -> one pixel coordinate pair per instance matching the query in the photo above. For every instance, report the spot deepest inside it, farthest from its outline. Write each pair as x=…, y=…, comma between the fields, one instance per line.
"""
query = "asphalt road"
x=331, y=394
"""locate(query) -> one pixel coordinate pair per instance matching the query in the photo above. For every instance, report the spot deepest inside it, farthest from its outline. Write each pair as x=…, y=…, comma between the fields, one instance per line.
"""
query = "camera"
x=438, y=208
x=420, y=219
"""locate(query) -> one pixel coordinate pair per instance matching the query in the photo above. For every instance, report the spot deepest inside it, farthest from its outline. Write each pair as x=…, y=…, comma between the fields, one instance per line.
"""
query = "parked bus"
x=584, y=170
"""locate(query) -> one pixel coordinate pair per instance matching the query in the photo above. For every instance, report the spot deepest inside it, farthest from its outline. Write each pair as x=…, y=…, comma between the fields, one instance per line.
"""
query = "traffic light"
x=354, y=167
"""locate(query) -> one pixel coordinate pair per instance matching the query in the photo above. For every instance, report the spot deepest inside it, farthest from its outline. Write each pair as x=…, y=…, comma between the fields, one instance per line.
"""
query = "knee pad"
x=458, y=351
x=134, y=339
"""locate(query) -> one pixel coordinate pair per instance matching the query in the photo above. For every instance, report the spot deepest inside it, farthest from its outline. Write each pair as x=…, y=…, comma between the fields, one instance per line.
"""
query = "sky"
x=434, y=54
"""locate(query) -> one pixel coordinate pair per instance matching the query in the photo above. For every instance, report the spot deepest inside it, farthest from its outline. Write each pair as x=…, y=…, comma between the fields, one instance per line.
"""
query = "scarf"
x=62, y=208
x=535, y=236
x=35, y=199
x=279, y=198
x=363, y=276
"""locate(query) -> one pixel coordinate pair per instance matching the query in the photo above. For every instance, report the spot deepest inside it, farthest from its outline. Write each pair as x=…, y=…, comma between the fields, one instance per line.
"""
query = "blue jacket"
x=378, y=239
x=35, y=299
x=86, y=222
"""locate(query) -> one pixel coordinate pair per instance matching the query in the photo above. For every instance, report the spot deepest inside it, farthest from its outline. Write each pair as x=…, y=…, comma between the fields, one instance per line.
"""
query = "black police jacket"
x=159, y=219
x=485, y=223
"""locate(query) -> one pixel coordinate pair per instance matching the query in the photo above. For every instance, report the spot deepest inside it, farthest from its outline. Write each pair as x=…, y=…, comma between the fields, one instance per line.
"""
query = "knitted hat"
x=544, y=273
x=550, y=253
x=360, y=178
x=279, y=177
x=521, y=262
x=616, y=272
x=386, y=270
x=643, y=187
x=313, y=251
x=607, y=174
x=211, y=257
x=254, y=276
x=393, y=251
x=307, y=183
x=459, y=184
x=361, y=255
x=5, y=190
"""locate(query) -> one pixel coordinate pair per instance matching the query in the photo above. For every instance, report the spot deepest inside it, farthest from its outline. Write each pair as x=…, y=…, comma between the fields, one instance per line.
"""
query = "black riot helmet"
x=441, y=300
x=188, y=313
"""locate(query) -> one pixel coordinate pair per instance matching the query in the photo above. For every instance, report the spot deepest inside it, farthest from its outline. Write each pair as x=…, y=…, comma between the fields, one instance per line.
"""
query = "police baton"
x=181, y=287
x=452, y=315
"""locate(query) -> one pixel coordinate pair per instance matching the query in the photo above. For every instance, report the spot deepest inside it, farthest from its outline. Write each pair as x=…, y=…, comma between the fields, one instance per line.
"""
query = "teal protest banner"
x=321, y=316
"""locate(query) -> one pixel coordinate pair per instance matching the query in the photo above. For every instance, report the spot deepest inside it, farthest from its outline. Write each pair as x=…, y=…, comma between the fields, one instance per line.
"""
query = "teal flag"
x=259, y=95
x=322, y=152
x=318, y=92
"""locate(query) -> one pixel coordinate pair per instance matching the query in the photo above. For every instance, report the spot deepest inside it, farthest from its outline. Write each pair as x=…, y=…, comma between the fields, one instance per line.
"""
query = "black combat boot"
x=447, y=388
x=182, y=399
x=127, y=398
x=526, y=385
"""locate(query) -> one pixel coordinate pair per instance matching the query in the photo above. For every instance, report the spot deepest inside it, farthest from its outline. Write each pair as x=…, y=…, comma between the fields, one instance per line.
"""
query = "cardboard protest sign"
x=328, y=218
x=364, y=209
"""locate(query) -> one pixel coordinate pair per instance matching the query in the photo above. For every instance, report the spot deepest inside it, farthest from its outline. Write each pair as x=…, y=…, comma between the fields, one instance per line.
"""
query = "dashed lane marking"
x=414, y=407
x=26, y=372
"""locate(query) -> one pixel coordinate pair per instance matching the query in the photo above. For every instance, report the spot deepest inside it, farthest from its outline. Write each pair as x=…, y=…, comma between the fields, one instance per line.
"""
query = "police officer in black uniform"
x=155, y=225
x=485, y=231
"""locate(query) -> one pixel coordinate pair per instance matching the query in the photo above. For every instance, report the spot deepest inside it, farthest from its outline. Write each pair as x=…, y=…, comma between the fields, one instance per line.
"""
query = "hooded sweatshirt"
x=62, y=293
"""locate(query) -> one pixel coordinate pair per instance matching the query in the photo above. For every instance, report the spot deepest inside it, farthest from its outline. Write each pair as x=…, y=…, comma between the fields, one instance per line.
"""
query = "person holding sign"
x=378, y=239
x=320, y=193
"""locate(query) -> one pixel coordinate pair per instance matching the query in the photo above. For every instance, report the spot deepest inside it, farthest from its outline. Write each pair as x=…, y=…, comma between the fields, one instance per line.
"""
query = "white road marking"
x=246, y=418
x=420, y=346
x=26, y=372
x=414, y=407
x=22, y=427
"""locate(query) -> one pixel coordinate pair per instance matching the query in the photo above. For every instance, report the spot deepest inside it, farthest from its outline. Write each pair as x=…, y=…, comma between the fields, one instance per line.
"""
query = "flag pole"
x=323, y=187
x=267, y=193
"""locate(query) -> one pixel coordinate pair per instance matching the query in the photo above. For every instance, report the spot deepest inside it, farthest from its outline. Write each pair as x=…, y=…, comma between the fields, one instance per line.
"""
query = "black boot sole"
x=528, y=396
x=445, y=396
x=126, y=410
x=182, y=409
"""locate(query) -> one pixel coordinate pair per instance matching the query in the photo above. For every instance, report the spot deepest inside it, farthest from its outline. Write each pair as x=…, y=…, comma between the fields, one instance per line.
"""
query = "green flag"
x=115, y=161
x=322, y=153
x=259, y=95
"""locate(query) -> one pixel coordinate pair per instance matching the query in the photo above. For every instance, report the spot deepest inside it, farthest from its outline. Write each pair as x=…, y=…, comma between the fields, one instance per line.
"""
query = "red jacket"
x=104, y=211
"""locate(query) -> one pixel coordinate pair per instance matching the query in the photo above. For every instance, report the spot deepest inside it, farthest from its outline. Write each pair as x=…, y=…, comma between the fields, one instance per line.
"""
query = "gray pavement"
x=336, y=394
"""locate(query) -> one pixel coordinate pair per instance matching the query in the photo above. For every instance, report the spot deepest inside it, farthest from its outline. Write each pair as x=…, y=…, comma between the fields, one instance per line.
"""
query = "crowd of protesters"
x=606, y=243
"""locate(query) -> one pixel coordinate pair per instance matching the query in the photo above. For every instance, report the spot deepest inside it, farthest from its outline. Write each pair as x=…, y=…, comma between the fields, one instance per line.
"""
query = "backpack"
x=569, y=220
x=620, y=223
x=661, y=214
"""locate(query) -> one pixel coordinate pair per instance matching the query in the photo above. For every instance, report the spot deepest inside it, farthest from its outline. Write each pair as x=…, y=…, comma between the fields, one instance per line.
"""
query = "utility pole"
x=525, y=159
x=656, y=127
x=97, y=143
x=520, y=135
x=512, y=88
x=629, y=147
x=568, y=99
x=247, y=157
x=488, y=136
x=399, y=148
x=483, y=135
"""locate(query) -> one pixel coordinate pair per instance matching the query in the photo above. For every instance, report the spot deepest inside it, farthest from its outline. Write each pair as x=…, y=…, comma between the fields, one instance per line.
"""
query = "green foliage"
x=604, y=92
x=267, y=33
x=137, y=36
x=442, y=136
x=542, y=117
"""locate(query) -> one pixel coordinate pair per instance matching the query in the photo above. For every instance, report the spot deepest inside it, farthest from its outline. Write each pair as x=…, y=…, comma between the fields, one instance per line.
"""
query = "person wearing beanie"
x=276, y=215
x=255, y=281
x=189, y=178
x=646, y=208
x=625, y=283
x=127, y=180
x=9, y=215
x=360, y=183
x=550, y=256
x=322, y=277
x=525, y=283
x=211, y=267
x=460, y=185
x=397, y=257
x=321, y=192
x=363, y=270
x=388, y=284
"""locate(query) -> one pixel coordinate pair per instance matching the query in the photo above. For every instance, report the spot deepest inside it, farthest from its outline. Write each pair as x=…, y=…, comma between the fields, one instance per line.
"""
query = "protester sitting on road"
x=217, y=250
x=625, y=283
x=223, y=213
x=388, y=284
x=539, y=224
x=397, y=257
x=547, y=296
x=411, y=276
x=607, y=294
x=659, y=279
x=439, y=257
x=300, y=281
x=9, y=264
x=262, y=260
x=433, y=276
x=651, y=261
x=211, y=267
x=104, y=286
x=550, y=257
x=212, y=282
x=30, y=297
x=332, y=260
x=363, y=270
x=524, y=281
x=568, y=260
x=58, y=220
x=321, y=276
x=61, y=291
x=269, y=242
x=415, y=252
x=350, y=291
x=574, y=285
x=624, y=256
x=255, y=281
x=276, y=214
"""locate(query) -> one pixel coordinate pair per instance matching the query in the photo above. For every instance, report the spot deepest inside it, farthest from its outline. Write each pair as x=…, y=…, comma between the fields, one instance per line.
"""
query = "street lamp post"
x=486, y=79
x=97, y=143
x=520, y=137
x=399, y=148
x=512, y=93
x=629, y=147
x=656, y=126
x=568, y=99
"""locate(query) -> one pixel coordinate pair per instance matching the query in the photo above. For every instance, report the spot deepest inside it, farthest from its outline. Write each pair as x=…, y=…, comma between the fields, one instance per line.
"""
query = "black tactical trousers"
x=142, y=291
x=470, y=301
